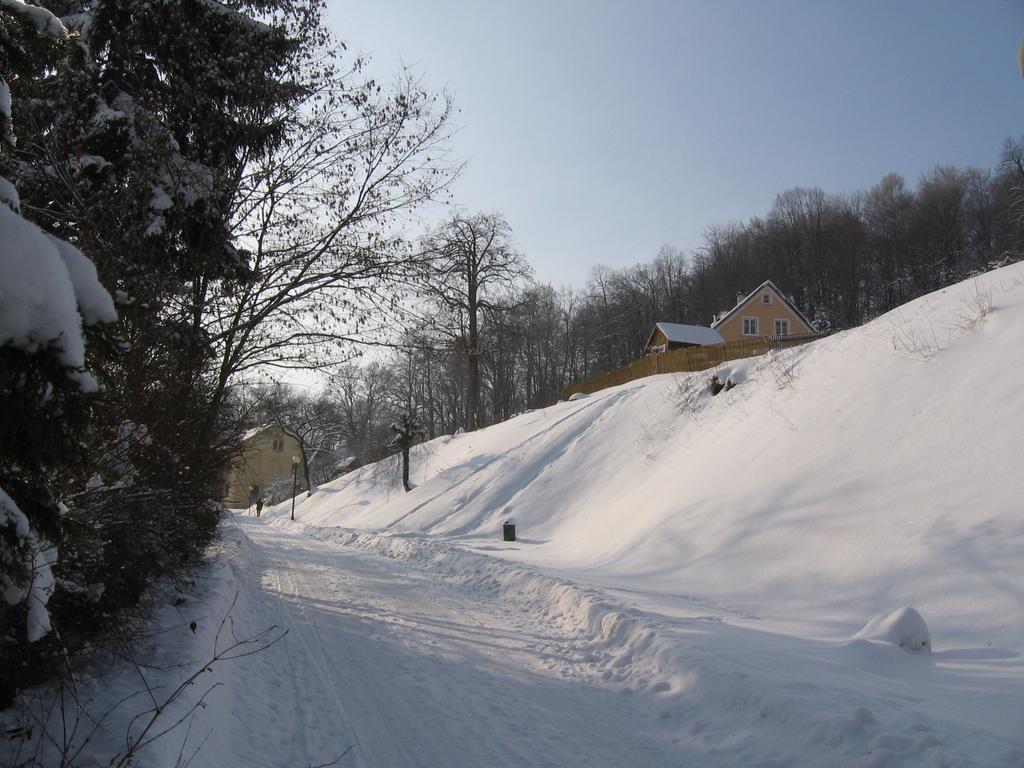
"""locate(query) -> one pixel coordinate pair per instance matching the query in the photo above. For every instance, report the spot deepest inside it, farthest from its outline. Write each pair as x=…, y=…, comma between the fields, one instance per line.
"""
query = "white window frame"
x=766, y=298
x=782, y=320
x=755, y=324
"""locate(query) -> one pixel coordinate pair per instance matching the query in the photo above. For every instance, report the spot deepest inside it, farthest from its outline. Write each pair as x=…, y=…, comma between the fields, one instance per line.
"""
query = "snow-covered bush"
x=727, y=377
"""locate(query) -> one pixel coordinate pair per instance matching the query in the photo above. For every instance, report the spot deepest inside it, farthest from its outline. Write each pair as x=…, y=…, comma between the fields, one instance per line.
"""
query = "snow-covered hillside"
x=875, y=468
x=817, y=567
x=742, y=560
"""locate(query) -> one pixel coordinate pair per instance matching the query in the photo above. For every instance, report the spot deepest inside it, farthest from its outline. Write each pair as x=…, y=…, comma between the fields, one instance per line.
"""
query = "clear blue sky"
x=602, y=130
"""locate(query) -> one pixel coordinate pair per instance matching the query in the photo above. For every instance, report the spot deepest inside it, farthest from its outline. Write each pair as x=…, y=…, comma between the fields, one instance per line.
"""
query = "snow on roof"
x=690, y=334
x=251, y=433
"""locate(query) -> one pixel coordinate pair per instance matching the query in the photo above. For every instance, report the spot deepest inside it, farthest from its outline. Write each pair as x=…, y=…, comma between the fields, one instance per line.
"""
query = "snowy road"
x=407, y=651
x=411, y=671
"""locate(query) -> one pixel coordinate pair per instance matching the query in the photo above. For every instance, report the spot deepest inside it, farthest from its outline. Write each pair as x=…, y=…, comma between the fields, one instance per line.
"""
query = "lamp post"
x=295, y=476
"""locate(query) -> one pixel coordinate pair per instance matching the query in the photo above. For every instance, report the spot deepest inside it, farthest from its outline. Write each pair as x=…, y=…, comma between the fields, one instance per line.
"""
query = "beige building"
x=767, y=311
x=266, y=456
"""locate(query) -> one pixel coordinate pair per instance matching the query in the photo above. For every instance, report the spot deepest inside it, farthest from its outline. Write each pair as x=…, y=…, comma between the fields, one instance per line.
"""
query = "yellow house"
x=766, y=311
x=266, y=456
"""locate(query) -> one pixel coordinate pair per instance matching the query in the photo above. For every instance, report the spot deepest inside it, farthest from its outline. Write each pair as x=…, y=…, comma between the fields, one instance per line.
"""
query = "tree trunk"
x=305, y=469
x=473, y=361
x=405, y=468
x=473, y=392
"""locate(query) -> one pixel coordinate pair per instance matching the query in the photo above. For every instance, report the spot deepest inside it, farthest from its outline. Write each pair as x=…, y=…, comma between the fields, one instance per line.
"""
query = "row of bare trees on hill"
x=486, y=342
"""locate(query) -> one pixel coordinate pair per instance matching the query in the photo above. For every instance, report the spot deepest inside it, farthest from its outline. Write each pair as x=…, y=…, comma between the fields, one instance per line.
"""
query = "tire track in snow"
x=299, y=629
x=745, y=696
x=431, y=674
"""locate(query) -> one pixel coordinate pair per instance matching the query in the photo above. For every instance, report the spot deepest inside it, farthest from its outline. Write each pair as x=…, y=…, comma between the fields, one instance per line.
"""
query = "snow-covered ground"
x=698, y=580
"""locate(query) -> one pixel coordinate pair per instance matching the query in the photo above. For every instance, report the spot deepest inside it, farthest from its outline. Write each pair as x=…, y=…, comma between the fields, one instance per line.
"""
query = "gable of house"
x=766, y=311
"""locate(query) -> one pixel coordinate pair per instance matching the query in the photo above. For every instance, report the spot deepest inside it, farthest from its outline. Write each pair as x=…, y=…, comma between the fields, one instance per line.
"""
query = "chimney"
x=740, y=296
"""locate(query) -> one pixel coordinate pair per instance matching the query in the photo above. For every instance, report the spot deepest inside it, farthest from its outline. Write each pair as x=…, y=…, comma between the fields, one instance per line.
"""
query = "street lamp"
x=295, y=476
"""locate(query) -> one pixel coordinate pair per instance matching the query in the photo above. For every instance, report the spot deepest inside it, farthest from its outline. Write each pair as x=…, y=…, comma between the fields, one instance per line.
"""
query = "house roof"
x=249, y=434
x=687, y=334
x=756, y=292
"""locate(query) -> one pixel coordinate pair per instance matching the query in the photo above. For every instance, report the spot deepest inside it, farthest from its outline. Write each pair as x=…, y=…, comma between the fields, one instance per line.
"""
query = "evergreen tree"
x=51, y=303
x=131, y=144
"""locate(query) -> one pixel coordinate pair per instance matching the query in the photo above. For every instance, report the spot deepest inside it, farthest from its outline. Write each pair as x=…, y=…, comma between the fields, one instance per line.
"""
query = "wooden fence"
x=689, y=359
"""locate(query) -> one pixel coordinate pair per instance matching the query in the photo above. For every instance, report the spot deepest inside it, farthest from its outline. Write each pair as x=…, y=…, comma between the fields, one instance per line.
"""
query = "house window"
x=279, y=446
x=766, y=298
x=782, y=327
x=750, y=326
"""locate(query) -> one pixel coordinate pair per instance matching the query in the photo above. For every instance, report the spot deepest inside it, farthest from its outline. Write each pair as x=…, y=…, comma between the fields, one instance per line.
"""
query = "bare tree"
x=320, y=219
x=314, y=421
x=471, y=261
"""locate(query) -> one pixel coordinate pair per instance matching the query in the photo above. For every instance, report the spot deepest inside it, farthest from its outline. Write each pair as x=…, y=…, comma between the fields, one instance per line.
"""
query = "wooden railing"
x=689, y=359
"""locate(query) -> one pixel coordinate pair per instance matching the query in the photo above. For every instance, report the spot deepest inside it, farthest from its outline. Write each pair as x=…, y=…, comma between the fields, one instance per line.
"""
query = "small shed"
x=667, y=336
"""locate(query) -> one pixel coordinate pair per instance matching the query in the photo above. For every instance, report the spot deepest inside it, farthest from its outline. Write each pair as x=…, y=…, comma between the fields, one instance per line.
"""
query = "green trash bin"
x=509, y=530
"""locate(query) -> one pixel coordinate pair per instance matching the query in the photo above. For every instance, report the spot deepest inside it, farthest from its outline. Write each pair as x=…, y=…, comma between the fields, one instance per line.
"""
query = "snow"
x=837, y=482
x=44, y=21
x=9, y=195
x=94, y=303
x=160, y=200
x=47, y=288
x=904, y=628
x=254, y=24
x=42, y=556
x=694, y=581
x=92, y=161
x=6, y=134
x=690, y=334
x=11, y=516
x=38, y=307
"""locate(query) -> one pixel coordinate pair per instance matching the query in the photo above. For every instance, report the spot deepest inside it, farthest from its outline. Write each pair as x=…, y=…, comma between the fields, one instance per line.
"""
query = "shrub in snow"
x=903, y=627
x=722, y=380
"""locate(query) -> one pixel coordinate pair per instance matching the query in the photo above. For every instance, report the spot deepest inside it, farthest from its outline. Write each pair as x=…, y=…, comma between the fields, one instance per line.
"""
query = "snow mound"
x=903, y=627
x=736, y=372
